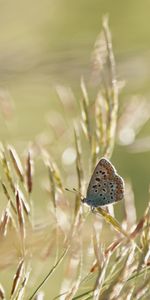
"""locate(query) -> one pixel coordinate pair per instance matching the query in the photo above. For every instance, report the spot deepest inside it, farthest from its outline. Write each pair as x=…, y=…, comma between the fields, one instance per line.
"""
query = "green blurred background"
x=45, y=47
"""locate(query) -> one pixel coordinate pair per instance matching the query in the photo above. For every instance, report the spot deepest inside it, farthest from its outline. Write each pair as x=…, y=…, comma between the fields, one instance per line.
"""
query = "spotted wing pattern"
x=105, y=186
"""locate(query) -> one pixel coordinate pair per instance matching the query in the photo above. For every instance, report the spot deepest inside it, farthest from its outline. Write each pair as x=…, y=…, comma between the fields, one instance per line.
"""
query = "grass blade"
x=50, y=273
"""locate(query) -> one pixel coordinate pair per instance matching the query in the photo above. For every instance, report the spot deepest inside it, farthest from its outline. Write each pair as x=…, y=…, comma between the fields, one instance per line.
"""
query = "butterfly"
x=105, y=186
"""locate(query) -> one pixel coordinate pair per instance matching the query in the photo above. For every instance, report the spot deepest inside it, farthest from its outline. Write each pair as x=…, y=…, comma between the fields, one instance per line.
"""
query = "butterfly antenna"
x=68, y=190
x=74, y=191
x=78, y=192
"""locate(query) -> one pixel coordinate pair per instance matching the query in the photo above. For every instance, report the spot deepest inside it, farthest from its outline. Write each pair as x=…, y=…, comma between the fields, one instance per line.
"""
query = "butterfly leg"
x=92, y=209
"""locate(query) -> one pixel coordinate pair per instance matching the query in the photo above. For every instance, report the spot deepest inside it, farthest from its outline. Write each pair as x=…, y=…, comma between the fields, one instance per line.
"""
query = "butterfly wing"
x=105, y=186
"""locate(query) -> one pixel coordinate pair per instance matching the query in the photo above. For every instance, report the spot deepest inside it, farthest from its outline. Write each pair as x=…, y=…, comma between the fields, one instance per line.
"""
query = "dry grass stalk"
x=6, y=168
x=96, y=249
x=74, y=288
x=56, y=176
x=25, y=204
x=113, y=99
x=72, y=284
x=79, y=171
x=17, y=277
x=138, y=228
x=120, y=253
x=20, y=216
x=4, y=222
x=111, y=220
x=99, y=56
x=107, y=99
x=16, y=162
x=142, y=292
x=39, y=296
x=101, y=278
x=52, y=183
x=113, y=246
x=23, y=283
x=85, y=112
x=117, y=285
x=145, y=237
x=8, y=197
x=2, y=293
x=130, y=210
x=100, y=115
x=116, y=225
x=94, y=151
x=29, y=172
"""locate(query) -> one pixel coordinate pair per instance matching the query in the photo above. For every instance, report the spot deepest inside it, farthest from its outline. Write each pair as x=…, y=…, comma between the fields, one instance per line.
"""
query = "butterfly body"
x=105, y=186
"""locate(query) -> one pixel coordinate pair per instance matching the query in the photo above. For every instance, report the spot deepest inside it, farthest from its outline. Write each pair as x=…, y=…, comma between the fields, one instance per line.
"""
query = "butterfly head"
x=83, y=200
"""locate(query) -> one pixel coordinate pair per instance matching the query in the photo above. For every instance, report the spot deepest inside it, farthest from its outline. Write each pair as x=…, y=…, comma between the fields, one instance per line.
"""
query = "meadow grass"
x=99, y=257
